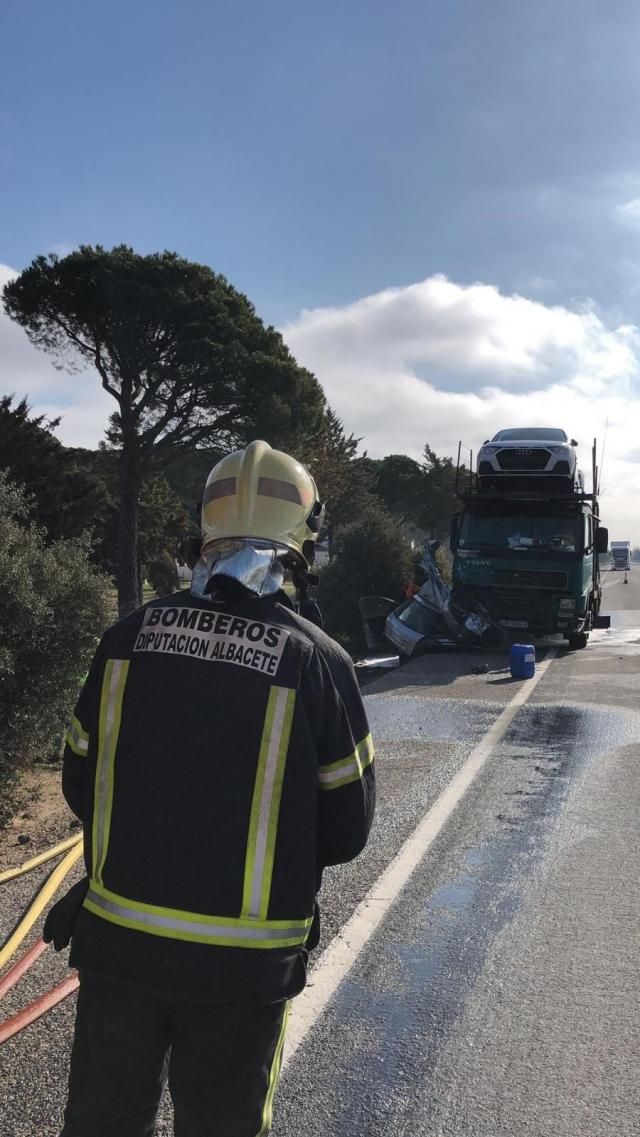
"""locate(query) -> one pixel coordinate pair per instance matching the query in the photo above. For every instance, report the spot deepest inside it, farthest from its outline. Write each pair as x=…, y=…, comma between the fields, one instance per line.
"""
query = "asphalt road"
x=495, y=989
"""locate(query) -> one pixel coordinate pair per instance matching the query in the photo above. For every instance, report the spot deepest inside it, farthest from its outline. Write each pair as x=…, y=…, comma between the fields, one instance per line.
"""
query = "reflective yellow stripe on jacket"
x=349, y=769
x=113, y=686
x=263, y=826
x=173, y=923
x=77, y=738
x=250, y=928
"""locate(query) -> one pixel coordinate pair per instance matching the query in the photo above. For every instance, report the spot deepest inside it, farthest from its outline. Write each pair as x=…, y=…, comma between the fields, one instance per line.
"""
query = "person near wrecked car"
x=219, y=758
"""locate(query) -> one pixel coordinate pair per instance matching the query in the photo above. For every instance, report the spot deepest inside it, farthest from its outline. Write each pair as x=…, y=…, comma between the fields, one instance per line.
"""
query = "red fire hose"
x=17, y=1022
x=39, y=1007
x=21, y=966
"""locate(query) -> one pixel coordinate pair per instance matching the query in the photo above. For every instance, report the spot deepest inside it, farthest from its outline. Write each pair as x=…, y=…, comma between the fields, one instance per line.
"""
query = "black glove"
x=59, y=924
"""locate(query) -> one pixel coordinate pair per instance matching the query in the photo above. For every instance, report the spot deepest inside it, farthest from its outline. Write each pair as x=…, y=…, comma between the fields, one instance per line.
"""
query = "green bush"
x=53, y=607
x=162, y=574
x=373, y=558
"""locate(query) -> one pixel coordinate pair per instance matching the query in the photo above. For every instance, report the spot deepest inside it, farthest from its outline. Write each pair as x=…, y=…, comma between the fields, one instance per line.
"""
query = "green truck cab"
x=533, y=561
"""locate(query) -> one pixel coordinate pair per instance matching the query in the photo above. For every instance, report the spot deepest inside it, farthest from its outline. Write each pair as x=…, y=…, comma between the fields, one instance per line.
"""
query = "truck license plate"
x=514, y=623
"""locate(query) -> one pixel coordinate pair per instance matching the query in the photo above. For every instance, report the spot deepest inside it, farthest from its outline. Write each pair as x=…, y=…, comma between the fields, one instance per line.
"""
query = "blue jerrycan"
x=523, y=661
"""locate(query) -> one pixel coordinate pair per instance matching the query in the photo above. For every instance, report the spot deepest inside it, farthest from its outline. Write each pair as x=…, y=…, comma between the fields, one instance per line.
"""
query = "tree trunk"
x=128, y=576
x=330, y=541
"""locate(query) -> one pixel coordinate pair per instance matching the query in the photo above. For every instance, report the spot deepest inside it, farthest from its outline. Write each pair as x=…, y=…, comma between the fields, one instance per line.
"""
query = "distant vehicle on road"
x=620, y=555
x=529, y=458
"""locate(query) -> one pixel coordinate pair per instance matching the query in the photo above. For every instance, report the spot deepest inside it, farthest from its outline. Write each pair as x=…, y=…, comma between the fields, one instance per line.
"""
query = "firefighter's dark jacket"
x=219, y=758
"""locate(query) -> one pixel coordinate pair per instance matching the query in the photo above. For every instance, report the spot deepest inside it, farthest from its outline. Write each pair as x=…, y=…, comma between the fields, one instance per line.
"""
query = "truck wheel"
x=578, y=640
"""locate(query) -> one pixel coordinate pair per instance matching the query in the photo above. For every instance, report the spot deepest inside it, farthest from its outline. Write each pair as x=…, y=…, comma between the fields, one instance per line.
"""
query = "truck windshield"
x=557, y=534
x=621, y=553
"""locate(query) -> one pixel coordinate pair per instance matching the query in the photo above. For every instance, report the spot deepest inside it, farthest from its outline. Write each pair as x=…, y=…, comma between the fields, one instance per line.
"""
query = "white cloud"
x=629, y=212
x=434, y=362
x=466, y=338
x=27, y=372
x=437, y=362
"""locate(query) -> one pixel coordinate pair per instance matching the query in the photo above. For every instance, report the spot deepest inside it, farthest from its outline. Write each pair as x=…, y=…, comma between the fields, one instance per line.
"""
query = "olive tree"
x=54, y=606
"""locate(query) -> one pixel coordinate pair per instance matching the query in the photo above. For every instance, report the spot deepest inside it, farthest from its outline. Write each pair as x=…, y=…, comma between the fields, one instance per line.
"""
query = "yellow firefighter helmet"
x=262, y=494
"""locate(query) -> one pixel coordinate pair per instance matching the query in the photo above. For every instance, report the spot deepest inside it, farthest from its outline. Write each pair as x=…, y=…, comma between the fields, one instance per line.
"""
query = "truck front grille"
x=526, y=578
x=532, y=607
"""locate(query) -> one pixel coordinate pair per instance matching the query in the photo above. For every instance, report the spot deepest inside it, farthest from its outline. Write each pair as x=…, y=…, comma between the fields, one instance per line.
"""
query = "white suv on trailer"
x=519, y=458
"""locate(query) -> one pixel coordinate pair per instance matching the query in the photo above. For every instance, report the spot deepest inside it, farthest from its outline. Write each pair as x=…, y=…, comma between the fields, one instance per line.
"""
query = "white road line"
x=341, y=954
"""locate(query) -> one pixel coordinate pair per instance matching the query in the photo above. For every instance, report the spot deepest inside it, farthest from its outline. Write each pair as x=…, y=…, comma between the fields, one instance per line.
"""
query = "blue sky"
x=320, y=155
x=316, y=153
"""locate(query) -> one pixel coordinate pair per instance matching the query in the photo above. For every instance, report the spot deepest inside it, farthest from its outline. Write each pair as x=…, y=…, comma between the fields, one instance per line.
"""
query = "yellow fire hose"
x=10, y=874
x=42, y=899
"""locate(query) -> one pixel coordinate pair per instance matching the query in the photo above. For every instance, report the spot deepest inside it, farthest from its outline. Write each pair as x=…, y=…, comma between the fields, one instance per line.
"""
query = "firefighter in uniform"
x=219, y=758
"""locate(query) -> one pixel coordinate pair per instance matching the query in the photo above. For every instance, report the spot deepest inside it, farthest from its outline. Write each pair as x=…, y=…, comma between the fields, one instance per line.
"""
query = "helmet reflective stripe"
x=224, y=487
x=349, y=769
x=77, y=738
x=113, y=685
x=173, y=923
x=263, y=826
x=286, y=491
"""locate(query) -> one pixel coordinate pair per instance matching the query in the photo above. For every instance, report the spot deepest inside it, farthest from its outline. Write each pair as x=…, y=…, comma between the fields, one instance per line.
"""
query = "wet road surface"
x=500, y=992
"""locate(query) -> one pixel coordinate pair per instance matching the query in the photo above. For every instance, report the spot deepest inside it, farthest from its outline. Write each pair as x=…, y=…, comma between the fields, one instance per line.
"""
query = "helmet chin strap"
x=257, y=566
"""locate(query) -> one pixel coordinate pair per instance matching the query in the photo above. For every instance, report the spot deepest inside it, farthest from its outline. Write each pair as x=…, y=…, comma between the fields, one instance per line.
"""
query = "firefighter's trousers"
x=221, y=1062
